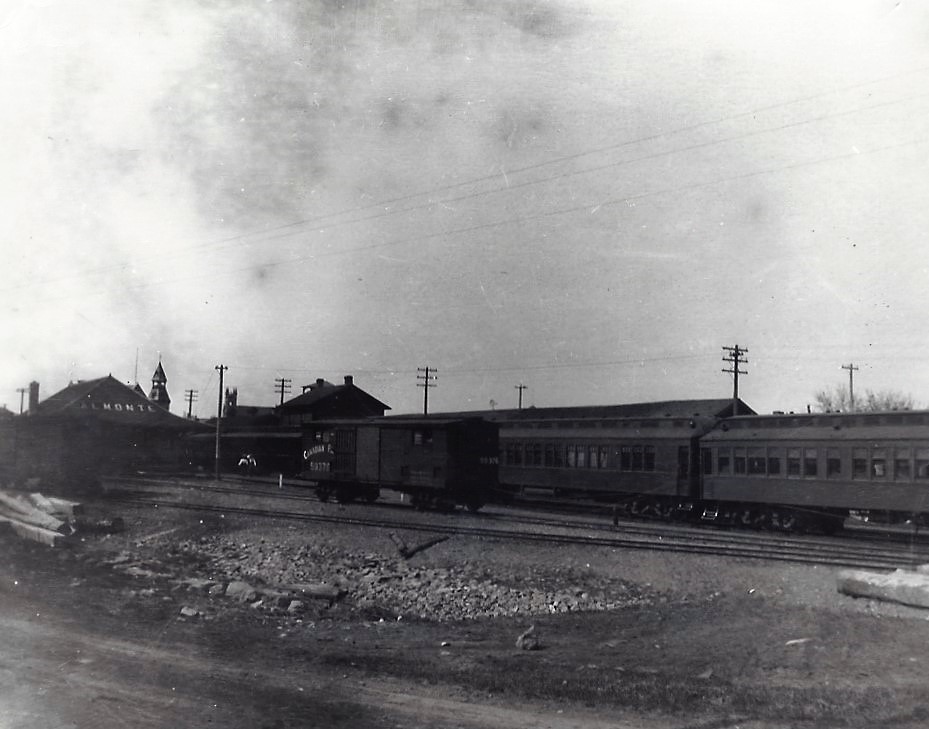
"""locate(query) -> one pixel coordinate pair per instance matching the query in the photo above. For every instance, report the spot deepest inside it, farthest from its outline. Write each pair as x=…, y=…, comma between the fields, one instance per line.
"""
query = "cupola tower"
x=159, y=394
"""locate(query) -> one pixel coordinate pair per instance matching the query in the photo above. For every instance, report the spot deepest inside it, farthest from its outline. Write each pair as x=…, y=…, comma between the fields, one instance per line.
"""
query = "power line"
x=736, y=358
x=851, y=385
x=426, y=383
x=191, y=397
x=526, y=168
x=527, y=218
x=282, y=385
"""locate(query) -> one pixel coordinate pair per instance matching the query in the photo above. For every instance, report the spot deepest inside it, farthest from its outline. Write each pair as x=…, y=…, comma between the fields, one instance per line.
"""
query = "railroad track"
x=743, y=545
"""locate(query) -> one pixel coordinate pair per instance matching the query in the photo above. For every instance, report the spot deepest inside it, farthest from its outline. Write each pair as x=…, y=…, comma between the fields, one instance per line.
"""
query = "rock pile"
x=386, y=584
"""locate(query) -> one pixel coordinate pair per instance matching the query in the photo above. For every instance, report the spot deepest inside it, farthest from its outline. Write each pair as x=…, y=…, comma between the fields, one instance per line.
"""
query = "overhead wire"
x=587, y=207
x=218, y=244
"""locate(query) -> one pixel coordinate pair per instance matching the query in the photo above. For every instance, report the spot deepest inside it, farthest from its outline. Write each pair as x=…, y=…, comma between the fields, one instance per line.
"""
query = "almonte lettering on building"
x=119, y=407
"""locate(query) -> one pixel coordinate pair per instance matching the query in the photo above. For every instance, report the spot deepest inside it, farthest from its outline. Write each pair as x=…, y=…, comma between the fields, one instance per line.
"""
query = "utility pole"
x=282, y=385
x=521, y=387
x=735, y=357
x=22, y=395
x=219, y=415
x=191, y=397
x=851, y=386
x=426, y=383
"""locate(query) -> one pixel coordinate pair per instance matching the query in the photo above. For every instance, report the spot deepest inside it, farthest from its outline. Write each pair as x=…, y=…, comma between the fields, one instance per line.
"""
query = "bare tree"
x=836, y=400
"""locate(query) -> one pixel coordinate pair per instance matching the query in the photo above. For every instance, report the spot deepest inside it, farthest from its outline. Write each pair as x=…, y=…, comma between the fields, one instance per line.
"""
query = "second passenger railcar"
x=802, y=470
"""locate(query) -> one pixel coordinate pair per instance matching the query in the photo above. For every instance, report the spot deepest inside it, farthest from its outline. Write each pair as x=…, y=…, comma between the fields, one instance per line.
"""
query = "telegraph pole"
x=282, y=385
x=219, y=415
x=521, y=387
x=22, y=395
x=426, y=383
x=735, y=357
x=851, y=387
x=191, y=397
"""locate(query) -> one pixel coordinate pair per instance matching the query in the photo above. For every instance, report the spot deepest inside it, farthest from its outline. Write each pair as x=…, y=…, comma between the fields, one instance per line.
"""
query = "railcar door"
x=688, y=470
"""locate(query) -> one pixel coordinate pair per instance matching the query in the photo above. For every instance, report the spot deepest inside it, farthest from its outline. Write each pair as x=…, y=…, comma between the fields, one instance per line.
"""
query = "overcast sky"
x=587, y=198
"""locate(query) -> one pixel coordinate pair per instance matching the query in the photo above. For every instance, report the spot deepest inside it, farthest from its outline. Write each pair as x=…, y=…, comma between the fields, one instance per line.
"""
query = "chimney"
x=33, y=395
x=349, y=380
x=320, y=382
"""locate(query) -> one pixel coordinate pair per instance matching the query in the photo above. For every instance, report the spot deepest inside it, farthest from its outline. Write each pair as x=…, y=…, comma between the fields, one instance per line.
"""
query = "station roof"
x=106, y=399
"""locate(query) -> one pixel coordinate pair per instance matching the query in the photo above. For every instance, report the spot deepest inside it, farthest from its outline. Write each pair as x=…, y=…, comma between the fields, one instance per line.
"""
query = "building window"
x=649, y=464
x=739, y=461
x=534, y=454
x=756, y=462
x=902, y=461
x=775, y=461
x=879, y=463
x=922, y=464
x=724, y=461
x=549, y=455
x=422, y=437
x=810, y=462
x=833, y=463
x=859, y=462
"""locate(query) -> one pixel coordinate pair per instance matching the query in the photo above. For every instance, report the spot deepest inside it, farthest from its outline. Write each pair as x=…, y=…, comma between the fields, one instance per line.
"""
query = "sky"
x=589, y=199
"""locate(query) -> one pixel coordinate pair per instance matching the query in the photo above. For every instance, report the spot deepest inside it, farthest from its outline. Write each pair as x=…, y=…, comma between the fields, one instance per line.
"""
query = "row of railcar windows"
x=870, y=463
x=558, y=455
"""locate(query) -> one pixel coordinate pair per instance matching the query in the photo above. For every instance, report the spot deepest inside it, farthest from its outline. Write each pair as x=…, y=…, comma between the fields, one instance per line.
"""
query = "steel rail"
x=803, y=554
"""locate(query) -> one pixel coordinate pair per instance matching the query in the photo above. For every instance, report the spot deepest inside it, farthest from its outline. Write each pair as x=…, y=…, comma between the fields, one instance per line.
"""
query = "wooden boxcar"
x=819, y=465
x=648, y=464
x=437, y=461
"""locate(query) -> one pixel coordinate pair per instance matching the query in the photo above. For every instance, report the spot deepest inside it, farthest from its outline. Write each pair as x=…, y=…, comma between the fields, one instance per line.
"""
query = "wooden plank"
x=901, y=586
x=22, y=510
x=33, y=532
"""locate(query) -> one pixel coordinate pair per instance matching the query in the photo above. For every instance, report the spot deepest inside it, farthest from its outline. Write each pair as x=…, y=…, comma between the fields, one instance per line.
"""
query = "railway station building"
x=90, y=429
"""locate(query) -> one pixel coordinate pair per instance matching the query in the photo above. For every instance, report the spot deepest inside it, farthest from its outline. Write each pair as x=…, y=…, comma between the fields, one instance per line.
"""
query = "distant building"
x=90, y=429
x=326, y=401
x=270, y=438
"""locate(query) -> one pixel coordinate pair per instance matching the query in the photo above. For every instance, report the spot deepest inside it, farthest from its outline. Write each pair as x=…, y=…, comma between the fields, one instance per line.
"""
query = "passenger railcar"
x=436, y=461
x=800, y=470
x=646, y=465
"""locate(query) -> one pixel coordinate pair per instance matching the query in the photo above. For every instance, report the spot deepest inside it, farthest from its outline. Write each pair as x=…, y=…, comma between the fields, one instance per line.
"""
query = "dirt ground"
x=143, y=629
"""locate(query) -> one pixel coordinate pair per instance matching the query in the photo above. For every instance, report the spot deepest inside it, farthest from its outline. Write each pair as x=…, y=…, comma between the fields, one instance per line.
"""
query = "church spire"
x=159, y=393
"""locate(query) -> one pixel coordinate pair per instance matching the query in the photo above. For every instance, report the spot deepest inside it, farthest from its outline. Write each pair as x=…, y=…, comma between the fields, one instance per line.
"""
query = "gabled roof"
x=325, y=391
x=109, y=400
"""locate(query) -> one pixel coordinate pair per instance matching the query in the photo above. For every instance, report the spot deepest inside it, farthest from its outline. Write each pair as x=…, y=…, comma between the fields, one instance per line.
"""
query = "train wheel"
x=345, y=494
x=474, y=503
x=640, y=508
x=371, y=494
x=323, y=493
x=665, y=509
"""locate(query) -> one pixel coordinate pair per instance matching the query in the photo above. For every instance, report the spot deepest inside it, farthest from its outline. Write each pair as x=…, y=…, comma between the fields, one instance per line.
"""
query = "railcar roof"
x=396, y=421
x=715, y=408
x=898, y=425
